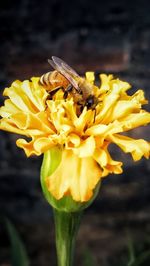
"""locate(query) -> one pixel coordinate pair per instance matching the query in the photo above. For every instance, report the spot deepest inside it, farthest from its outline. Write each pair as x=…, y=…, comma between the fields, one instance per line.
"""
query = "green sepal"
x=51, y=161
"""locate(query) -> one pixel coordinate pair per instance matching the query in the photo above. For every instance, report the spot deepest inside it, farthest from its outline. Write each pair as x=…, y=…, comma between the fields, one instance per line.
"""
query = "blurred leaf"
x=141, y=259
x=88, y=259
x=18, y=251
x=131, y=252
x=136, y=260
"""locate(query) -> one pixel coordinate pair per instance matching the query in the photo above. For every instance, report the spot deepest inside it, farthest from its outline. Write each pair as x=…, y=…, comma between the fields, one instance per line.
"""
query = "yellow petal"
x=36, y=93
x=112, y=90
x=138, y=96
x=27, y=96
x=58, y=117
x=105, y=83
x=73, y=140
x=8, y=109
x=74, y=176
x=29, y=124
x=6, y=124
x=127, y=105
x=135, y=120
x=37, y=146
x=108, y=103
x=108, y=165
x=104, y=130
x=86, y=148
x=122, y=109
x=137, y=147
x=84, y=120
x=90, y=77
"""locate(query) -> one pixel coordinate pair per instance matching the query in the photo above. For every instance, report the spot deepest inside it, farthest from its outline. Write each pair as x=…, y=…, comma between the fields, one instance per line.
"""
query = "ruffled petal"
x=105, y=83
x=104, y=130
x=137, y=147
x=135, y=120
x=127, y=105
x=37, y=146
x=86, y=148
x=90, y=77
x=74, y=176
x=84, y=120
x=9, y=109
x=105, y=161
x=27, y=96
x=27, y=124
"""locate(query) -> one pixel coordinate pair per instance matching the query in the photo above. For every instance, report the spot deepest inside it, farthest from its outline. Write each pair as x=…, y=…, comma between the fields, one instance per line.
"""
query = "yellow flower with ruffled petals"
x=83, y=138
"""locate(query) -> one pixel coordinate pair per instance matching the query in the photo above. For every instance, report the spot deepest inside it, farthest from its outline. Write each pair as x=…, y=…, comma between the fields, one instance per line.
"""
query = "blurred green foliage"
x=18, y=252
x=88, y=258
x=137, y=253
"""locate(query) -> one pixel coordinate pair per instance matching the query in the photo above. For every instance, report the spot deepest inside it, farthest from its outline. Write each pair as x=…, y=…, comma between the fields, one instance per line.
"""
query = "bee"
x=66, y=78
x=53, y=79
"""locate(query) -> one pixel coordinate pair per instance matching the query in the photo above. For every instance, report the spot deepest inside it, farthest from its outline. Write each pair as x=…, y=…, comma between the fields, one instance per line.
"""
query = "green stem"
x=66, y=226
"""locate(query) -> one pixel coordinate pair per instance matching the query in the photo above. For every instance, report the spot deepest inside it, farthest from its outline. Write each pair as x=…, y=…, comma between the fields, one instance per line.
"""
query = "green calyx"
x=51, y=161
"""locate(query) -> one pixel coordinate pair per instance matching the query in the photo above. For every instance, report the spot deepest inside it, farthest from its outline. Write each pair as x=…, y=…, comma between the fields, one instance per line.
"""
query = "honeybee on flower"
x=81, y=121
x=66, y=78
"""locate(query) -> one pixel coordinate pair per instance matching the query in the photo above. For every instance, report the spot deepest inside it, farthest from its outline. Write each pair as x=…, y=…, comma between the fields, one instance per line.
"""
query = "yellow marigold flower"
x=83, y=137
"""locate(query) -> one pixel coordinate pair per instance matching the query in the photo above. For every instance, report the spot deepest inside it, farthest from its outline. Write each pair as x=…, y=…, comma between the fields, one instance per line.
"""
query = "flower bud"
x=51, y=162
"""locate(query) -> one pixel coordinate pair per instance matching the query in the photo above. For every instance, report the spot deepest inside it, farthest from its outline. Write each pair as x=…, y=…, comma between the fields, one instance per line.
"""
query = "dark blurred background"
x=106, y=37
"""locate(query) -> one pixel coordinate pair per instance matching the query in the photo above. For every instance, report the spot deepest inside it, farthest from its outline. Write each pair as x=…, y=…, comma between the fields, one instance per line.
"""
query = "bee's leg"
x=94, y=114
x=95, y=110
x=52, y=93
x=81, y=106
x=65, y=95
x=79, y=103
x=67, y=90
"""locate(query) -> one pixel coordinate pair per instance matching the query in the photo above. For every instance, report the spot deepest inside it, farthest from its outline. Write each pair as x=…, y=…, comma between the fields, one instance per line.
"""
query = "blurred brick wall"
x=111, y=37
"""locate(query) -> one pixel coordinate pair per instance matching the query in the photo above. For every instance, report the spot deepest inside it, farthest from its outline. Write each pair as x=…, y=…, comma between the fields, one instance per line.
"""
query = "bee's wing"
x=59, y=62
x=65, y=70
